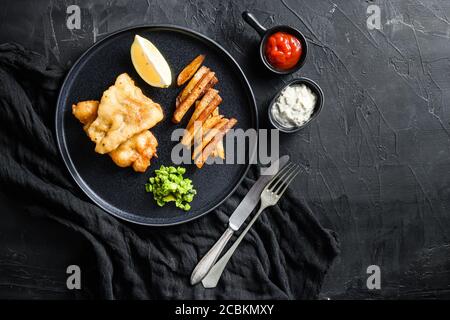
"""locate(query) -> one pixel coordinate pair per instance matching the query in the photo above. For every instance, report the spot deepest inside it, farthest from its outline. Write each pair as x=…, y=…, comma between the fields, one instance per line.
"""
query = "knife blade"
x=245, y=208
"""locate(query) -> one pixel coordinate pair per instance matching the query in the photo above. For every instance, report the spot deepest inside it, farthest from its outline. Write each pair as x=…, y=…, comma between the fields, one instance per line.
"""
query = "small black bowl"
x=317, y=108
x=266, y=33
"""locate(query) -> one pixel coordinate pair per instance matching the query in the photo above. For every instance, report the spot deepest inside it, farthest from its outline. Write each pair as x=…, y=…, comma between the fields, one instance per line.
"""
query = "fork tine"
x=281, y=178
x=288, y=182
x=275, y=178
x=284, y=179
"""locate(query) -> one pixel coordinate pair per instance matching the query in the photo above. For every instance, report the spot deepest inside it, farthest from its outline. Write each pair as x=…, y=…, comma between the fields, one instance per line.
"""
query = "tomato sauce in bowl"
x=283, y=50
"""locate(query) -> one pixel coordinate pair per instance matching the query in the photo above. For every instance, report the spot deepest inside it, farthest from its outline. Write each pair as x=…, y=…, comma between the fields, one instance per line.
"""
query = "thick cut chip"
x=190, y=70
x=219, y=151
x=204, y=102
x=209, y=130
x=196, y=93
x=123, y=112
x=200, y=160
x=191, y=131
x=210, y=85
x=191, y=84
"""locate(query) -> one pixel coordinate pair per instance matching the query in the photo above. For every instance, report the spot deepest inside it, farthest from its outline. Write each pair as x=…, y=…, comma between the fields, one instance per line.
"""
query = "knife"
x=236, y=220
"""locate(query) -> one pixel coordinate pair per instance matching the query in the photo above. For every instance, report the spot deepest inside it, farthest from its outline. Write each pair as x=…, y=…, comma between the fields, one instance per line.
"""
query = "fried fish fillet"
x=86, y=112
x=136, y=151
x=123, y=112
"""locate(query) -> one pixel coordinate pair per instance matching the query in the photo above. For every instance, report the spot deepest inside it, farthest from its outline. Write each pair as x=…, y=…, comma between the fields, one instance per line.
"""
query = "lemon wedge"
x=150, y=63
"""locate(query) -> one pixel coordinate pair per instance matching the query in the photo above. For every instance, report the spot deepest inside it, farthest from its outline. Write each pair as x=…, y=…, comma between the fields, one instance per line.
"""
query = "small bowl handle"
x=254, y=23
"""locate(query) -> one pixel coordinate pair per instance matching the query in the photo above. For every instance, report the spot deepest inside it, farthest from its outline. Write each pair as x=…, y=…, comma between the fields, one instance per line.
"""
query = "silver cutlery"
x=269, y=197
x=238, y=217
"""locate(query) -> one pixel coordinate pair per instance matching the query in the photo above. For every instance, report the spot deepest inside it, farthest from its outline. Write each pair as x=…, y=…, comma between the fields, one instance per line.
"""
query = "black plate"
x=120, y=191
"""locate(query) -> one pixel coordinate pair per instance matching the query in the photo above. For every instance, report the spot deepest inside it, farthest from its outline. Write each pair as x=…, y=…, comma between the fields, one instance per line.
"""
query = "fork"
x=269, y=197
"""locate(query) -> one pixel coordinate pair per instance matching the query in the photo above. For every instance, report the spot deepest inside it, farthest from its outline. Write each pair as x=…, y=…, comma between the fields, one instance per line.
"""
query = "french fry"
x=214, y=152
x=191, y=85
x=190, y=131
x=215, y=113
x=210, y=84
x=204, y=102
x=205, y=126
x=210, y=123
x=190, y=70
x=192, y=97
x=210, y=108
x=206, y=123
x=200, y=160
x=209, y=129
x=219, y=151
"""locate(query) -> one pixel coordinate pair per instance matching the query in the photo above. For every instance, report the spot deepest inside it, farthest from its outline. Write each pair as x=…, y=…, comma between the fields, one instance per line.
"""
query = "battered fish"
x=86, y=112
x=136, y=151
x=123, y=112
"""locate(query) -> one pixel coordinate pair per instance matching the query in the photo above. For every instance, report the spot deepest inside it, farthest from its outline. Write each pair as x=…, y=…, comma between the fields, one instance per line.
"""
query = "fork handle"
x=208, y=260
x=212, y=277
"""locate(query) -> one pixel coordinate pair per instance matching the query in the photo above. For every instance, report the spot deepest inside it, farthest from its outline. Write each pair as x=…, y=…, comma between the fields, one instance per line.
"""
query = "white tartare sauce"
x=294, y=106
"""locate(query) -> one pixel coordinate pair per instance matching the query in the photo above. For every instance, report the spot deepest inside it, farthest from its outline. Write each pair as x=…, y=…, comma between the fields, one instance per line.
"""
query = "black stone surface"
x=378, y=154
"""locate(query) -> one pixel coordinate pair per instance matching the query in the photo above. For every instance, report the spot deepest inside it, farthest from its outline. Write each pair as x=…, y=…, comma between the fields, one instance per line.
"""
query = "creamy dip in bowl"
x=296, y=105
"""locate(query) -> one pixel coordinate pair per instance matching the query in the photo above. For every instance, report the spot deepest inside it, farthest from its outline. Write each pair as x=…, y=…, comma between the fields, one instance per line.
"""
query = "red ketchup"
x=283, y=50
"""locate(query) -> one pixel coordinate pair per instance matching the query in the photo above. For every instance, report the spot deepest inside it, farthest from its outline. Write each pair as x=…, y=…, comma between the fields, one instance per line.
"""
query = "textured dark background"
x=379, y=153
